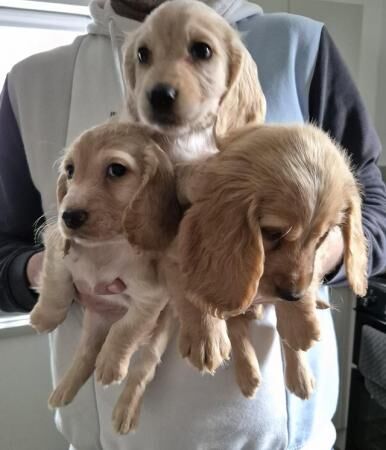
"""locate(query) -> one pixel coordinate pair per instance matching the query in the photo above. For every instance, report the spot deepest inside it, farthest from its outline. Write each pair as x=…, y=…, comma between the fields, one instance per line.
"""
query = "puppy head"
x=269, y=200
x=184, y=66
x=105, y=172
x=319, y=193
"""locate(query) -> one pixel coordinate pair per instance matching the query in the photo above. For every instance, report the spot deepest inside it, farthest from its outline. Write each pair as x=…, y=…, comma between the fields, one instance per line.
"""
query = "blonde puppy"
x=204, y=84
x=114, y=182
x=261, y=209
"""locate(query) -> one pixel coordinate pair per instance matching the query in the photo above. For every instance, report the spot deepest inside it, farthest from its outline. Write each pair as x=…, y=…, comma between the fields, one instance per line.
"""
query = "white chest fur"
x=192, y=146
x=92, y=265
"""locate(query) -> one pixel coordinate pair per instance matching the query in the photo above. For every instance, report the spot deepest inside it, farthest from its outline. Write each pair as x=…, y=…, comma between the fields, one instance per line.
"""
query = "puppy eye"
x=272, y=237
x=143, y=55
x=116, y=170
x=200, y=50
x=272, y=234
x=69, y=170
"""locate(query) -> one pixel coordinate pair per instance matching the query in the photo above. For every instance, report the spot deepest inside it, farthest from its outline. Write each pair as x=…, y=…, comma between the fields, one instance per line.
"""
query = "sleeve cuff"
x=25, y=298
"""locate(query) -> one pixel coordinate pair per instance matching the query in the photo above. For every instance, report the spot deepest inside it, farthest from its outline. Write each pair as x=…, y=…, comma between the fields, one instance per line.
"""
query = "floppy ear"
x=61, y=191
x=221, y=255
x=151, y=220
x=129, y=61
x=61, y=188
x=244, y=102
x=355, y=248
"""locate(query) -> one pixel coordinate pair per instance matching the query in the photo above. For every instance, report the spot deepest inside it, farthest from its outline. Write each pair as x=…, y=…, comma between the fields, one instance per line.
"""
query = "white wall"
x=25, y=421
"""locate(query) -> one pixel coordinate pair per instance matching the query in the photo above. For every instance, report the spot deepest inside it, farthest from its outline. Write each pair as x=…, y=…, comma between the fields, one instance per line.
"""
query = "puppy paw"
x=126, y=416
x=299, y=329
x=62, y=395
x=44, y=320
x=300, y=382
x=207, y=346
x=110, y=368
x=248, y=378
x=305, y=336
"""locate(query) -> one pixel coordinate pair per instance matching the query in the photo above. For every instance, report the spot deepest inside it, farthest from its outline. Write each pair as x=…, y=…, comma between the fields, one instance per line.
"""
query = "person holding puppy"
x=303, y=79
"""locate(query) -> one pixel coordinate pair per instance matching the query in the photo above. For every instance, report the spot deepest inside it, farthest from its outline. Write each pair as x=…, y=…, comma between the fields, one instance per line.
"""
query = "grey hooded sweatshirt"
x=50, y=98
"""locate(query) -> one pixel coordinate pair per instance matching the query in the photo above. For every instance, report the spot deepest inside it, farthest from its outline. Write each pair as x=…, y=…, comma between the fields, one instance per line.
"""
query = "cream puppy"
x=114, y=180
x=261, y=209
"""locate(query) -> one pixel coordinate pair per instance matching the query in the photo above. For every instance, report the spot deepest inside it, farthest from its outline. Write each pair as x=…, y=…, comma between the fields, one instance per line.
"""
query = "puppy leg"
x=56, y=291
x=297, y=322
x=95, y=329
x=245, y=361
x=126, y=411
x=298, y=377
x=123, y=340
x=203, y=339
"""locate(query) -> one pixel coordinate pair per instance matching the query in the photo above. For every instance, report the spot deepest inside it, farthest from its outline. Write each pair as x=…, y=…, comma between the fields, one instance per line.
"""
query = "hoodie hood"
x=103, y=15
x=234, y=10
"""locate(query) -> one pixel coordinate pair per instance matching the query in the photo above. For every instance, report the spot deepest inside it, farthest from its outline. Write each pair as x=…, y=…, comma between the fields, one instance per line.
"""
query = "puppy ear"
x=355, y=248
x=244, y=102
x=151, y=220
x=61, y=188
x=221, y=255
x=129, y=61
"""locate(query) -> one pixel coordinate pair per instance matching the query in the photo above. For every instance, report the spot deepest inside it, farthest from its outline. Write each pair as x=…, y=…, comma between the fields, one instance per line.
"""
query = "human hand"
x=330, y=253
x=96, y=301
x=34, y=268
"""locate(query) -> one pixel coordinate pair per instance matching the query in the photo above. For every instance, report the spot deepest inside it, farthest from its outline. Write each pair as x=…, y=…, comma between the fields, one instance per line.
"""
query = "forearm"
x=20, y=207
x=336, y=106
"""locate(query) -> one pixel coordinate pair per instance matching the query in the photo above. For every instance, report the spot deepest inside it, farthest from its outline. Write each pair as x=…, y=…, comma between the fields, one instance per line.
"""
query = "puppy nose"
x=162, y=96
x=74, y=218
x=291, y=296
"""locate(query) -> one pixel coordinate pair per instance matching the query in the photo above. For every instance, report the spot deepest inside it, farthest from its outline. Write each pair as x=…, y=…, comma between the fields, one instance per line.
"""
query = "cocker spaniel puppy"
x=190, y=78
x=187, y=70
x=261, y=209
x=115, y=183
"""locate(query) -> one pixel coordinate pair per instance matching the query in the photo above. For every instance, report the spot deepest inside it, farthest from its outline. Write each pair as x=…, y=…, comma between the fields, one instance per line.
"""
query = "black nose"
x=291, y=296
x=162, y=97
x=74, y=218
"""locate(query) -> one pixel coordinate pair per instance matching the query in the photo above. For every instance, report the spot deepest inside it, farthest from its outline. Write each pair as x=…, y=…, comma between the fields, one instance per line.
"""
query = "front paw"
x=304, y=336
x=248, y=377
x=298, y=328
x=206, y=346
x=62, y=395
x=44, y=320
x=110, y=368
x=126, y=415
x=300, y=381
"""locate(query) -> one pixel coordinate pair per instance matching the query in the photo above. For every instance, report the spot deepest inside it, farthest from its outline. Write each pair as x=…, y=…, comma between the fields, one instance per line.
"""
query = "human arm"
x=20, y=206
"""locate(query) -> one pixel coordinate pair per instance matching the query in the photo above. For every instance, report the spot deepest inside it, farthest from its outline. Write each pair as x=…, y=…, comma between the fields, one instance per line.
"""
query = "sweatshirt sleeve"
x=20, y=207
x=335, y=105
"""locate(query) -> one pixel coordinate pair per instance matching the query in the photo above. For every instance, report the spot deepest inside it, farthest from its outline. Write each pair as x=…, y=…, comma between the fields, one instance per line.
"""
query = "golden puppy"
x=189, y=78
x=114, y=183
x=187, y=70
x=260, y=210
